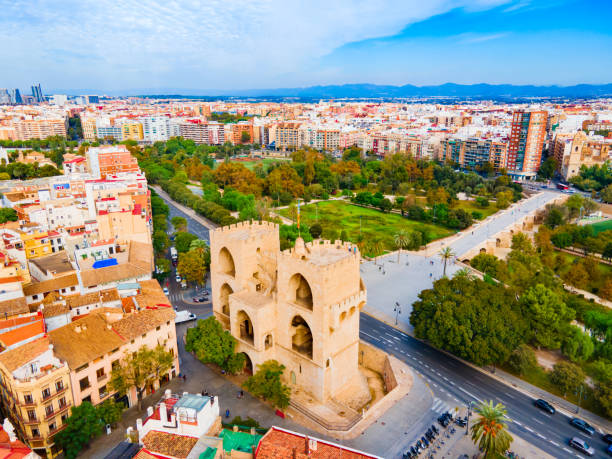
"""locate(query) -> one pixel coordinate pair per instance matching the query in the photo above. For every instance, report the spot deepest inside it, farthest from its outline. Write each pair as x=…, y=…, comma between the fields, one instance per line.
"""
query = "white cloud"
x=469, y=38
x=192, y=43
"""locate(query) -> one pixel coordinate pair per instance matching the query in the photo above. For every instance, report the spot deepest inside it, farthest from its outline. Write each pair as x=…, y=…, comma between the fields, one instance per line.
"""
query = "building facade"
x=527, y=137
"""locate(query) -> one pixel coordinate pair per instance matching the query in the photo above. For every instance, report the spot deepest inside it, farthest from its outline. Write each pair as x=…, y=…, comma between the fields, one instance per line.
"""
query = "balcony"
x=31, y=402
x=56, y=430
x=102, y=377
x=46, y=395
x=63, y=408
x=50, y=414
x=30, y=421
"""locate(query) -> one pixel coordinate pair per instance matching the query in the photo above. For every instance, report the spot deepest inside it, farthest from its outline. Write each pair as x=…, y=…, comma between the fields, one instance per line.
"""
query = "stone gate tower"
x=299, y=306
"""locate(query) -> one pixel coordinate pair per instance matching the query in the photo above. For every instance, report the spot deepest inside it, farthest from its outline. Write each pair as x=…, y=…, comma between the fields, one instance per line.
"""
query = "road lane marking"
x=509, y=395
x=538, y=421
x=470, y=394
x=568, y=450
x=529, y=429
x=555, y=443
x=518, y=423
x=373, y=337
x=541, y=436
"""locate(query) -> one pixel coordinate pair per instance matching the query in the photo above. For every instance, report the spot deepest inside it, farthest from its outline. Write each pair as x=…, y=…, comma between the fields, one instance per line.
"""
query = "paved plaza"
x=390, y=282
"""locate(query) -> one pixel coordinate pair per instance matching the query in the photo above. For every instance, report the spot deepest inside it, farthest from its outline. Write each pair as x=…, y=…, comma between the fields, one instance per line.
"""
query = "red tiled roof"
x=284, y=444
x=22, y=333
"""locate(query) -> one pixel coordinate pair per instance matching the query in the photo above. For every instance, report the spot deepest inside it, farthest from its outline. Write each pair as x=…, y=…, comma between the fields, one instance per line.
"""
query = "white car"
x=184, y=316
x=178, y=279
x=166, y=291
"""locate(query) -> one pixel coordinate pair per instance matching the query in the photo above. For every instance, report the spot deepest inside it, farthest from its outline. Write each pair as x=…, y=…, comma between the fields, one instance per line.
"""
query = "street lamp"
x=397, y=310
x=579, y=399
x=467, y=424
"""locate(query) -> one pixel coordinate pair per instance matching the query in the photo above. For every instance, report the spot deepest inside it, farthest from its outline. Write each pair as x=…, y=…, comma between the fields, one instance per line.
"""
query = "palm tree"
x=198, y=244
x=464, y=273
x=446, y=254
x=490, y=430
x=401, y=240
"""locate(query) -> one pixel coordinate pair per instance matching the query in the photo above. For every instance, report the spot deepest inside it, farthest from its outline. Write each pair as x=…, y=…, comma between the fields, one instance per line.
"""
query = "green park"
x=362, y=223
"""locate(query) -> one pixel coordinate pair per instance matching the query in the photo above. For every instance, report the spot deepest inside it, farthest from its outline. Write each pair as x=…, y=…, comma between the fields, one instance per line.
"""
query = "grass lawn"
x=540, y=377
x=602, y=226
x=471, y=206
x=340, y=215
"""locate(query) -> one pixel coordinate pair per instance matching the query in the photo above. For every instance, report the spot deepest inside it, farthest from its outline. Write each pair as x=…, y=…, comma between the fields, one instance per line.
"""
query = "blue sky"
x=124, y=45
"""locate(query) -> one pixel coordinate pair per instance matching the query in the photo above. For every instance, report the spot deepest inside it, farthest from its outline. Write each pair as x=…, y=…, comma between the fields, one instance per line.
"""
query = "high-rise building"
x=5, y=98
x=15, y=96
x=37, y=93
x=526, y=143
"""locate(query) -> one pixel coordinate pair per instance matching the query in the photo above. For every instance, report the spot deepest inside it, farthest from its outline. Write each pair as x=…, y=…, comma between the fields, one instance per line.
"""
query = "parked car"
x=607, y=438
x=545, y=406
x=582, y=446
x=582, y=425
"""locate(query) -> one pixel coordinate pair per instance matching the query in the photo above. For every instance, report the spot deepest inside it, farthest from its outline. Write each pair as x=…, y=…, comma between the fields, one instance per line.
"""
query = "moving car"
x=184, y=316
x=582, y=425
x=607, y=438
x=582, y=446
x=200, y=299
x=178, y=278
x=166, y=291
x=545, y=406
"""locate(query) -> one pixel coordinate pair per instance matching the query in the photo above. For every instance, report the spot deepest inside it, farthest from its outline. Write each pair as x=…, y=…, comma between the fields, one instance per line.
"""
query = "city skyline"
x=195, y=46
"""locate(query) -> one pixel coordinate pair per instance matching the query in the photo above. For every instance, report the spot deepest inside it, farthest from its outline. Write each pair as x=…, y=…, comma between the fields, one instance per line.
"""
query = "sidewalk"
x=460, y=444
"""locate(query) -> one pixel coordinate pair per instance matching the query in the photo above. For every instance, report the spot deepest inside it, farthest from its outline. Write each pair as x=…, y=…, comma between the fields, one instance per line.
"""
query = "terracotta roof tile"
x=281, y=444
x=50, y=285
x=169, y=444
x=15, y=358
x=14, y=307
x=23, y=333
x=94, y=339
x=139, y=323
x=54, y=310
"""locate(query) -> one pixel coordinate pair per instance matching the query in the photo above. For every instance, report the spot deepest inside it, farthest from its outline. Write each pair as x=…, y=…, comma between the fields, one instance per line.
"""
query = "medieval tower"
x=299, y=306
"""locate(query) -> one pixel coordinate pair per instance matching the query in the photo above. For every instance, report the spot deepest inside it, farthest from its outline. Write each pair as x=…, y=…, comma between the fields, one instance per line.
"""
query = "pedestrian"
x=184, y=377
x=430, y=275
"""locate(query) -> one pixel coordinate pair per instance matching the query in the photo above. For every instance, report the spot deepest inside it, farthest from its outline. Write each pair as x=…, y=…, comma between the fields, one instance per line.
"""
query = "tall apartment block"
x=526, y=143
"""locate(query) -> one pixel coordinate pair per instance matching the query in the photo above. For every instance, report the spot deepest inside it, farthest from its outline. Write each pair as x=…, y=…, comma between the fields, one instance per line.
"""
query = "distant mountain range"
x=482, y=90
x=373, y=91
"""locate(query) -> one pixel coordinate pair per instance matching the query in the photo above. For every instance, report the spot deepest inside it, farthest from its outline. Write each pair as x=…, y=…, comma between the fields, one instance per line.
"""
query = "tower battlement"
x=325, y=255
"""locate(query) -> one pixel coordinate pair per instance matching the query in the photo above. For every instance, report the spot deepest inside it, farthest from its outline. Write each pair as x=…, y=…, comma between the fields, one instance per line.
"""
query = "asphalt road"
x=455, y=384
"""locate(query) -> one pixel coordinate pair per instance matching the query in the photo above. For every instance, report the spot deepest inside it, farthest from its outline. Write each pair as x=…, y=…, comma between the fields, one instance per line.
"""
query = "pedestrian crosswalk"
x=440, y=406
